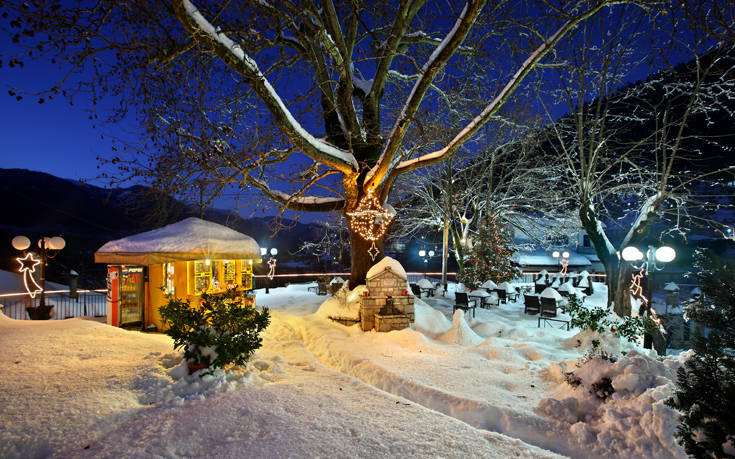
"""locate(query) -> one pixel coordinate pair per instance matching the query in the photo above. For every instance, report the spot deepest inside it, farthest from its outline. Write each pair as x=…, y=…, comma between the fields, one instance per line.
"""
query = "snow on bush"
x=344, y=304
x=616, y=408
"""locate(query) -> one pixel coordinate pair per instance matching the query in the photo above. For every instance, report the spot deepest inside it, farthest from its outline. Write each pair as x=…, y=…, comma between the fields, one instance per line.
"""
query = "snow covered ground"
x=492, y=386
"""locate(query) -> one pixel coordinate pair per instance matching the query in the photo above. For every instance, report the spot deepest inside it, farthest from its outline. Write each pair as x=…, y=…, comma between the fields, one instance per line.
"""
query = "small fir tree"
x=705, y=392
x=490, y=256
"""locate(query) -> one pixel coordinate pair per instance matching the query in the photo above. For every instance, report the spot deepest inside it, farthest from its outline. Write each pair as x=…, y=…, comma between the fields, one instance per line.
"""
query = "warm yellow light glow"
x=370, y=220
x=28, y=267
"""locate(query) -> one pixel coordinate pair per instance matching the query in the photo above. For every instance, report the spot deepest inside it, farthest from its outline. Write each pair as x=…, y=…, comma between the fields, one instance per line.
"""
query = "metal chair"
x=462, y=301
x=532, y=305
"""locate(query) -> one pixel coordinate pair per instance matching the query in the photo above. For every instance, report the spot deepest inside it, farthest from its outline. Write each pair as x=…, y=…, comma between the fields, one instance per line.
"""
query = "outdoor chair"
x=321, y=288
x=548, y=307
x=531, y=304
x=589, y=290
x=416, y=290
x=461, y=301
x=501, y=295
x=538, y=288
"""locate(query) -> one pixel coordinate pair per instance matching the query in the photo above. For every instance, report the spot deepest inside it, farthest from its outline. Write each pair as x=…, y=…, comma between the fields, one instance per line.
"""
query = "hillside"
x=37, y=204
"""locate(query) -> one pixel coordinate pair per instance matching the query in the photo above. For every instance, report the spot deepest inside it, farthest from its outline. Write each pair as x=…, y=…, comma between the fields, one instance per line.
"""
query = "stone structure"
x=381, y=286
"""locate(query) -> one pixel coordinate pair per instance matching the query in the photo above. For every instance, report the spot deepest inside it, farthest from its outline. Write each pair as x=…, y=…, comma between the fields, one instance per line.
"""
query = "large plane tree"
x=319, y=105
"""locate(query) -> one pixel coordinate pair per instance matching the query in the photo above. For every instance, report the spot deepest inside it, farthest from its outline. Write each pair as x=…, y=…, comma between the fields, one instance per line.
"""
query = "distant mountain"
x=37, y=204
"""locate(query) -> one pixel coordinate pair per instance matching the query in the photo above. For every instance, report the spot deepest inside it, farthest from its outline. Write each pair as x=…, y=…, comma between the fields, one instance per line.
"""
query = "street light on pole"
x=648, y=266
x=48, y=248
x=423, y=254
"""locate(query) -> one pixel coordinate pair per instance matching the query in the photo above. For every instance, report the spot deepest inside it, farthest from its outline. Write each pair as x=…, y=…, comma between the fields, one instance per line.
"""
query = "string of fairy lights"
x=370, y=221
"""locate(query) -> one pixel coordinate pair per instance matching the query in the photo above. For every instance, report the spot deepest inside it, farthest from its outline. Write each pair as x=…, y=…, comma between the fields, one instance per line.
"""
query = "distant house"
x=184, y=259
x=535, y=255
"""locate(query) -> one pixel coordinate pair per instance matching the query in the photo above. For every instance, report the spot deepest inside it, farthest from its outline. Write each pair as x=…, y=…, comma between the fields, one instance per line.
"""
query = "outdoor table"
x=481, y=295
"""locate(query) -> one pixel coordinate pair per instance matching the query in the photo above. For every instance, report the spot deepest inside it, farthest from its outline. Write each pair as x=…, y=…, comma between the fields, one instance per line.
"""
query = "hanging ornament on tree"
x=370, y=220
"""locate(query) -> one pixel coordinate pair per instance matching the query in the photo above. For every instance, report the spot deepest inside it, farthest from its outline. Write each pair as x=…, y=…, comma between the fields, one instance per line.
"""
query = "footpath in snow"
x=493, y=386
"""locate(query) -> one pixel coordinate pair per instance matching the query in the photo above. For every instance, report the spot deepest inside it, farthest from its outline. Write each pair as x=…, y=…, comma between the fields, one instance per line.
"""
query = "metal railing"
x=87, y=303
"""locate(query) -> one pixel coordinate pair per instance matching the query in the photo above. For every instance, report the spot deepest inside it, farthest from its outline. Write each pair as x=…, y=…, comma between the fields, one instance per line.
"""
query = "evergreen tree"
x=706, y=383
x=490, y=256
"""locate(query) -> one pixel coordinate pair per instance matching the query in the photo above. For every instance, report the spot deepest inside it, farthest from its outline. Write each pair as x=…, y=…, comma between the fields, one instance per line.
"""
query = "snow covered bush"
x=224, y=329
x=601, y=320
x=705, y=391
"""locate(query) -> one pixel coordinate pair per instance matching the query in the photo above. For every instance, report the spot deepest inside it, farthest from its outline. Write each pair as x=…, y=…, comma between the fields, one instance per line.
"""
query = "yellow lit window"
x=168, y=278
x=202, y=276
x=230, y=273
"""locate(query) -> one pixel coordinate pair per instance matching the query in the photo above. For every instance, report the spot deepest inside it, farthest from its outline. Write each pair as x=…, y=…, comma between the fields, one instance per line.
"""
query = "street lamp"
x=271, y=265
x=563, y=258
x=648, y=266
x=423, y=254
x=49, y=248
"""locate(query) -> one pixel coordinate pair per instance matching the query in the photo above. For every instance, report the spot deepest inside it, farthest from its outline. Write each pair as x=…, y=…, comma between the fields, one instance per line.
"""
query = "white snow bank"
x=387, y=263
x=632, y=422
x=425, y=283
x=671, y=287
x=550, y=292
x=345, y=303
x=460, y=333
x=428, y=320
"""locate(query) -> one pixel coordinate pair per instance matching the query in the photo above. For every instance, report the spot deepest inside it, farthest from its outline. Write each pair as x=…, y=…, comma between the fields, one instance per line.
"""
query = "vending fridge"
x=125, y=295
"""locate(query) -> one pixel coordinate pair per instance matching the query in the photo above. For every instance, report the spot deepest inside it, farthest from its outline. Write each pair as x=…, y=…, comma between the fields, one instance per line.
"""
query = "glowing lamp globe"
x=555, y=254
x=274, y=251
x=56, y=243
x=431, y=253
x=422, y=253
x=665, y=254
x=263, y=251
x=565, y=254
x=21, y=242
x=632, y=254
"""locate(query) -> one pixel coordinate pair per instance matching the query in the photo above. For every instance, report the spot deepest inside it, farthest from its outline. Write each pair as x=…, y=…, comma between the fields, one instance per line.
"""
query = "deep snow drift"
x=493, y=386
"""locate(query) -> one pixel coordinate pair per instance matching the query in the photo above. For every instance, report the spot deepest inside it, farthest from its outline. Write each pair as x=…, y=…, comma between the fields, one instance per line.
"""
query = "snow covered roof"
x=387, y=263
x=541, y=258
x=671, y=287
x=189, y=239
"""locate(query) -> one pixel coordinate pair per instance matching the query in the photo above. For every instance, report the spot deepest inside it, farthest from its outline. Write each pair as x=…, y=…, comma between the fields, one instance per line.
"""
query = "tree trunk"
x=618, y=286
x=360, y=258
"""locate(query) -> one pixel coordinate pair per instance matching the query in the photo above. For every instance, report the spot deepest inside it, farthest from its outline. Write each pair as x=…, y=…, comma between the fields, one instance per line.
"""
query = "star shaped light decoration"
x=370, y=219
x=373, y=251
x=28, y=267
x=272, y=268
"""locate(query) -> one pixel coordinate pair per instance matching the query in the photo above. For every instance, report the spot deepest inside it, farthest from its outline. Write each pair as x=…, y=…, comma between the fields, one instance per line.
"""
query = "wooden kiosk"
x=184, y=259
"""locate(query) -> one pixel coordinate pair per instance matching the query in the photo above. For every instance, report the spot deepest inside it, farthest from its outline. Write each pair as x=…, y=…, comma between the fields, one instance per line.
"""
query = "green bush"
x=224, y=329
x=598, y=320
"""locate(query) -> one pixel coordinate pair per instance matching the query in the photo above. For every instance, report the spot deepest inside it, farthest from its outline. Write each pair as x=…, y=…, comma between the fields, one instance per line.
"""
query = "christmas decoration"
x=490, y=256
x=636, y=289
x=271, y=268
x=28, y=267
x=373, y=251
x=370, y=220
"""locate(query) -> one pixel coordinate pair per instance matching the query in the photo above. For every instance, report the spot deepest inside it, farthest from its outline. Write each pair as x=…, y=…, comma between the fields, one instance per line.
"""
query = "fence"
x=88, y=303
x=281, y=280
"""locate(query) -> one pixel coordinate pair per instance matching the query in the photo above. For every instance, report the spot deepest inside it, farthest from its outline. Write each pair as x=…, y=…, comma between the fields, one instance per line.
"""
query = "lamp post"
x=271, y=265
x=423, y=254
x=48, y=248
x=563, y=258
x=648, y=267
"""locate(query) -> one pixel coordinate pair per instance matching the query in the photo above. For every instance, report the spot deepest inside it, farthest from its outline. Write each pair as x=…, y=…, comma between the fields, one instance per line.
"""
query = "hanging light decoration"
x=370, y=220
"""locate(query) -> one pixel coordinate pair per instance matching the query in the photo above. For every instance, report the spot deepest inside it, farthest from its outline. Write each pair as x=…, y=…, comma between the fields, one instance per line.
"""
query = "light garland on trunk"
x=370, y=220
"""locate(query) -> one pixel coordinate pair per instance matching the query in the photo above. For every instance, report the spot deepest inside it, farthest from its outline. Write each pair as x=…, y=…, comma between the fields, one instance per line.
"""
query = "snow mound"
x=461, y=333
x=428, y=320
x=177, y=386
x=344, y=304
x=616, y=409
x=387, y=263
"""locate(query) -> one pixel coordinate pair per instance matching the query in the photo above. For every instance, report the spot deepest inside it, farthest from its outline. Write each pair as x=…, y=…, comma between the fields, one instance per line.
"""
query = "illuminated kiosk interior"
x=184, y=259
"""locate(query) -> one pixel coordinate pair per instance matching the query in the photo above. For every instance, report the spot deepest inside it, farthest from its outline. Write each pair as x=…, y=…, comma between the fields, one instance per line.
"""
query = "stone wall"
x=371, y=305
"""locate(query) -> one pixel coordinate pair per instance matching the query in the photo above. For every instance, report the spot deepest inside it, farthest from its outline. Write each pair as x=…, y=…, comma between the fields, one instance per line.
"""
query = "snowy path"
x=98, y=406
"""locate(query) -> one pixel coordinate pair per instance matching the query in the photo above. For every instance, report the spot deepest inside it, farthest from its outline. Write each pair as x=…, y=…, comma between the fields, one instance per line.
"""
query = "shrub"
x=705, y=386
x=598, y=320
x=224, y=329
